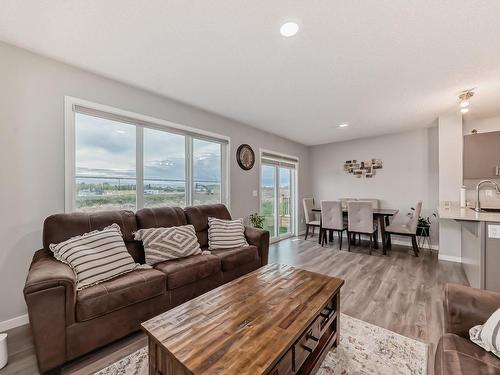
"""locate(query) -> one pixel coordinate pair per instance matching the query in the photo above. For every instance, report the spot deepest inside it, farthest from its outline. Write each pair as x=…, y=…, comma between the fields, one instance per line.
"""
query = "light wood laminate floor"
x=399, y=292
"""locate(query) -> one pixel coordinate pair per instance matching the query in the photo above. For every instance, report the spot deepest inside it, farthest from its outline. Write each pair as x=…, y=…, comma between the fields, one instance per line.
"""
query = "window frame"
x=279, y=157
x=143, y=121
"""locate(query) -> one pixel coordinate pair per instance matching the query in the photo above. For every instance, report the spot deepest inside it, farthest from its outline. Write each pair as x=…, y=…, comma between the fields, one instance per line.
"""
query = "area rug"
x=364, y=349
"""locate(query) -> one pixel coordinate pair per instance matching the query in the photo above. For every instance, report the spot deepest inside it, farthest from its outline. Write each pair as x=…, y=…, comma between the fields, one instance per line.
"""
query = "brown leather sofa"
x=464, y=308
x=66, y=324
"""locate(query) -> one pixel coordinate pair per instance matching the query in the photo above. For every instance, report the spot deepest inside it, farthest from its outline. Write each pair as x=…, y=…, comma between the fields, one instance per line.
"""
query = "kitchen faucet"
x=477, y=208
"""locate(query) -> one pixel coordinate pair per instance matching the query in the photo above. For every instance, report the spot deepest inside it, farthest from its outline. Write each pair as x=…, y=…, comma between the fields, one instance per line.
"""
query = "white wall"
x=32, y=152
x=450, y=181
x=409, y=174
x=484, y=125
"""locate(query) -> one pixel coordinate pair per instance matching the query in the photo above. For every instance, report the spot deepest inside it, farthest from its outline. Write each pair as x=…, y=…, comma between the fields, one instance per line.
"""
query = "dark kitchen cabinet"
x=482, y=155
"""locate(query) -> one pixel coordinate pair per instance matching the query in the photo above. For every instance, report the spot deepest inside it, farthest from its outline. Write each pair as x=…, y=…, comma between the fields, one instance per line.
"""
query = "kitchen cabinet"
x=482, y=155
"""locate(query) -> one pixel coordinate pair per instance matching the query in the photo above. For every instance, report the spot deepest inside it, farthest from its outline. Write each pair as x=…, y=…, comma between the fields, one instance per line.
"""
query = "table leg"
x=320, y=230
x=381, y=222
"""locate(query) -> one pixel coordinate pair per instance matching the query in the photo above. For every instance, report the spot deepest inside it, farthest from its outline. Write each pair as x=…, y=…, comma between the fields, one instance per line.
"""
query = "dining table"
x=382, y=215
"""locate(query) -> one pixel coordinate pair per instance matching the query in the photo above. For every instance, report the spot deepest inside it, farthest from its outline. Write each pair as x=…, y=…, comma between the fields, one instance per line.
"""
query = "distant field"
x=99, y=197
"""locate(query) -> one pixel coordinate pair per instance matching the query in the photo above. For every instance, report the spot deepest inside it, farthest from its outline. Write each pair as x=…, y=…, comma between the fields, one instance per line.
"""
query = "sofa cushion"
x=122, y=291
x=188, y=270
x=457, y=355
x=61, y=227
x=164, y=217
x=233, y=258
x=198, y=217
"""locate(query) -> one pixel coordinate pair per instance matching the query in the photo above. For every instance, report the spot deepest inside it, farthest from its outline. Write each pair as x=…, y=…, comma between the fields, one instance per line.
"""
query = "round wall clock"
x=245, y=157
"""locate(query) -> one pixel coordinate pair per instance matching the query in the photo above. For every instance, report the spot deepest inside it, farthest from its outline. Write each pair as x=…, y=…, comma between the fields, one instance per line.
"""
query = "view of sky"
x=108, y=148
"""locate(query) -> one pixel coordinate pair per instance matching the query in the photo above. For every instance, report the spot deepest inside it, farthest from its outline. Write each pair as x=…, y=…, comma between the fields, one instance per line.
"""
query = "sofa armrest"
x=259, y=238
x=466, y=307
x=50, y=294
x=47, y=272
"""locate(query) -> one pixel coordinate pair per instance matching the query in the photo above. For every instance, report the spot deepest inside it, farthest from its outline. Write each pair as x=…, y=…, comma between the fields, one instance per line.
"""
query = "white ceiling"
x=381, y=66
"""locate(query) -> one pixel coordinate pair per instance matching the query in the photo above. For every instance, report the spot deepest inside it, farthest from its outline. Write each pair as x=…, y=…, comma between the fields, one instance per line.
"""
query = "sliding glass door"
x=277, y=192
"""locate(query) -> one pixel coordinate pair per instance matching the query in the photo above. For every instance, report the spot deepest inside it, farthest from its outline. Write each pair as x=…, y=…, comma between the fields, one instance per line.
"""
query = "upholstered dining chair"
x=375, y=202
x=310, y=216
x=360, y=221
x=345, y=200
x=332, y=219
x=403, y=225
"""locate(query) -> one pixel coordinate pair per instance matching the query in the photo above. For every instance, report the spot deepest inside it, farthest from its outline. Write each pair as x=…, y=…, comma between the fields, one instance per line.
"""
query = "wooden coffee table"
x=276, y=320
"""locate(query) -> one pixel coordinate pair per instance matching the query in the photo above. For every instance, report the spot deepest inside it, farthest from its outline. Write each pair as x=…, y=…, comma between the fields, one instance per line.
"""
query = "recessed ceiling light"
x=289, y=29
x=343, y=125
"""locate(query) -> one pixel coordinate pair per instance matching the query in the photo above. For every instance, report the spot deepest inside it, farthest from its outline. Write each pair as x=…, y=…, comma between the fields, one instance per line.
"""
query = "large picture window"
x=116, y=160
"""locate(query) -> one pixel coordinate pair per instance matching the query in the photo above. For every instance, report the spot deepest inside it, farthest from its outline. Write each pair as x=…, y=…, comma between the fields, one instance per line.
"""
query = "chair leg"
x=340, y=239
x=371, y=244
x=388, y=240
x=314, y=228
x=414, y=244
x=322, y=238
x=307, y=231
x=348, y=241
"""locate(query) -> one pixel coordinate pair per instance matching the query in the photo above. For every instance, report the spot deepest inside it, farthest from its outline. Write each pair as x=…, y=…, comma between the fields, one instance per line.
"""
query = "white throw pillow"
x=225, y=234
x=487, y=336
x=95, y=256
x=162, y=244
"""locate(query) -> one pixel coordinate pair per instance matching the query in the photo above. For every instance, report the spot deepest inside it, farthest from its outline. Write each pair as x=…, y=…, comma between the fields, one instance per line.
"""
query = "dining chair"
x=375, y=202
x=310, y=216
x=404, y=225
x=332, y=219
x=345, y=200
x=360, y=221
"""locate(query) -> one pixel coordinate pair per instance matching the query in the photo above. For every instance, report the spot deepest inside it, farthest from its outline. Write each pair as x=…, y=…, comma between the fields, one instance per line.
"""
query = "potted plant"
x=423, y=225
x=257, y=220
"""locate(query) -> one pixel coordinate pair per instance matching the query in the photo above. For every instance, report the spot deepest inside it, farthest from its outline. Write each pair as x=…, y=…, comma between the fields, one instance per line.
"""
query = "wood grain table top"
x=243, y=327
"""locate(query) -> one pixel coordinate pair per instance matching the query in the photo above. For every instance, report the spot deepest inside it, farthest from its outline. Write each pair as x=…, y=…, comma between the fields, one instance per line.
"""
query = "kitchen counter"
x=480, y=244
x=455, y=212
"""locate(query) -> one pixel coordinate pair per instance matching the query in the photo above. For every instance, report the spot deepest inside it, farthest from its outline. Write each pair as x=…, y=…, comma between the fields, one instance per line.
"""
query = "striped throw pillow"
x=487, y=336
x=95, y=256
x=225, y=234
x=162, y=244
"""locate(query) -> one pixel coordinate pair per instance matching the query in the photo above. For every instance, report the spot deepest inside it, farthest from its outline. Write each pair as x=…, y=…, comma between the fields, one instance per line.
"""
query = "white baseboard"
x=14, y=322
x=408, y=243
x=450, y=258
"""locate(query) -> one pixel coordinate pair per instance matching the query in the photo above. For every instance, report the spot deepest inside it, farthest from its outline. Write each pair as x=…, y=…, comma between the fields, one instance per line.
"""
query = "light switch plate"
x=493, y=231
x=255, y=193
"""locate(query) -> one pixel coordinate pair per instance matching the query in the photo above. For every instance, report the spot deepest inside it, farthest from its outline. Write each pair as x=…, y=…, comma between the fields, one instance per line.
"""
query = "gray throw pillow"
x=162, y=244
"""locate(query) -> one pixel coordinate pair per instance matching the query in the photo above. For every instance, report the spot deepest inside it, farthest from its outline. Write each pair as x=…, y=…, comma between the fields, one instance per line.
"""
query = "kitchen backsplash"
x=487, y=194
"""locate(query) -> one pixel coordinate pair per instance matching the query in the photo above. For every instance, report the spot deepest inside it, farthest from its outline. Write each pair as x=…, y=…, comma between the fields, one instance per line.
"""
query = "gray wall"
x=32, y=152
x=409, y=174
